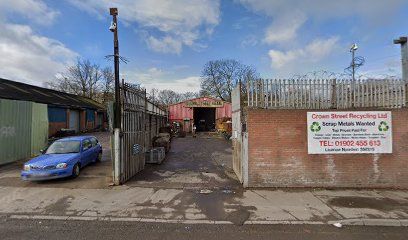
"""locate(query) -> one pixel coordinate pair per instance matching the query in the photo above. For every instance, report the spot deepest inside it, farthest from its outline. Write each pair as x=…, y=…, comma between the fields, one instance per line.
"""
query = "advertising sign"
x=349, y=132
x=209, y=103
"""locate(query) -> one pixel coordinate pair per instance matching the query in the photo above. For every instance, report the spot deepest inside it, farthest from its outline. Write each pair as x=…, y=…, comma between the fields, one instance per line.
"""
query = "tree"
x=153, y=95
x=167, y=97
x=189, y=95
x=108, y=85
x=86, y=79
x=219, y=77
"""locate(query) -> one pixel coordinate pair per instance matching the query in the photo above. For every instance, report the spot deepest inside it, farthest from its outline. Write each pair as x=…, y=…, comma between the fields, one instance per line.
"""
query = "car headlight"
x=26, y=167
x=62, y=165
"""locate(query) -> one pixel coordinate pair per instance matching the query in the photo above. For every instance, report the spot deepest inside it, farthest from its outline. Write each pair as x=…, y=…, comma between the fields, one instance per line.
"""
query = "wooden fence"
x=326, y=93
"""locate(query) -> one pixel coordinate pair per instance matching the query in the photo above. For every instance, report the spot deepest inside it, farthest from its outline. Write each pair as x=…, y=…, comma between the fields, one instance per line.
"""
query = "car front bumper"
x=38, y=175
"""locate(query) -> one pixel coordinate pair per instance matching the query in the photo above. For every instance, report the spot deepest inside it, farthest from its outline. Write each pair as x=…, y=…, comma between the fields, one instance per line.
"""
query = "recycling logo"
x=315, y=127
x=383, y=127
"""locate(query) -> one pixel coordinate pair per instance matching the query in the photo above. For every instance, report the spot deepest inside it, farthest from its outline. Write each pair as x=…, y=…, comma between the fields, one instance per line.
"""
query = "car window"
x=61, y=147
x=94, y=142
x=86, y=144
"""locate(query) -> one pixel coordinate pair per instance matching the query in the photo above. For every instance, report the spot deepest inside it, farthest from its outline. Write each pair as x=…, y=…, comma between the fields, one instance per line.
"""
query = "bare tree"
x=86, y=79
x=108, y=87
x=189, y=95
x=153, y=95
x=219, y=77
x=167, y=97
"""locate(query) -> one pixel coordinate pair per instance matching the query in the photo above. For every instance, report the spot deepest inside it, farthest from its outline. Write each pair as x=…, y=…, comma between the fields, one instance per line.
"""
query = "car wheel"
x=75, y=170
x=99, y=158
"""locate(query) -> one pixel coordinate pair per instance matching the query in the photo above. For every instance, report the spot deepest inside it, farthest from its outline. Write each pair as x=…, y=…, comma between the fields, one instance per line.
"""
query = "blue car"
x=63, y=158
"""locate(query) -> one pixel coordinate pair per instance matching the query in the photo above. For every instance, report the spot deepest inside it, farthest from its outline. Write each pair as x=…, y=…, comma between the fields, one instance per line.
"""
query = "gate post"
x=116, y=156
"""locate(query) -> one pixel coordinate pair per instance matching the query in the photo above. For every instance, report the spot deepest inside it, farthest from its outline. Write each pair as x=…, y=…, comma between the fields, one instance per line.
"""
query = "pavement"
x=196, y=186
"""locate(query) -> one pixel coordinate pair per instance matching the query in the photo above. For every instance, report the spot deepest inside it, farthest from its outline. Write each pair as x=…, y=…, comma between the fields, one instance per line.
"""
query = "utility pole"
x=353, y=49
x=404, y=56
x=117, y=108
x=404, y=59
x=114, y=28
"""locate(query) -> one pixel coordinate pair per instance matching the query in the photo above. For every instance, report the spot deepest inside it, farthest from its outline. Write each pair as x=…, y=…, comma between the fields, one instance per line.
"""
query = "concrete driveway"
x=96, y=176
x=204, y=162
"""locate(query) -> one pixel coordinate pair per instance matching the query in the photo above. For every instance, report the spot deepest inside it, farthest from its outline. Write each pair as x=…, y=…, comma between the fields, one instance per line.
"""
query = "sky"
x=167, y=42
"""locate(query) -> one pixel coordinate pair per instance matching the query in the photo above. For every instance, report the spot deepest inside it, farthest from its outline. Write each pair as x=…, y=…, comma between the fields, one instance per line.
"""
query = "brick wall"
x=54, y=127
x=278, y=155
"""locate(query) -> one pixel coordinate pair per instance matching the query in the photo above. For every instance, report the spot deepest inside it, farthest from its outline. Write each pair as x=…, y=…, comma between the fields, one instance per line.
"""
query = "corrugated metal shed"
x=184, y=110
x=23, y=129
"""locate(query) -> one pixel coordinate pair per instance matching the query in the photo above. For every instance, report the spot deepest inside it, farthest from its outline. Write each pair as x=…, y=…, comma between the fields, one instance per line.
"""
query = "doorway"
x=204, y=119
x=74, y=120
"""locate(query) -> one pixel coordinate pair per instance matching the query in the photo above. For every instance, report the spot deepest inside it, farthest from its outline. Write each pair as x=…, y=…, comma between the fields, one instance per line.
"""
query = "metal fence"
x=140, y=122
x=132, y=143
x=326, y=93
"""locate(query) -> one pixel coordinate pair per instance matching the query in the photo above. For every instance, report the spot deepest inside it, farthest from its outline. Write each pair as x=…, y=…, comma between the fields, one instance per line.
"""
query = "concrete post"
x=404, y=57
x=116, y=156
x=404, y=60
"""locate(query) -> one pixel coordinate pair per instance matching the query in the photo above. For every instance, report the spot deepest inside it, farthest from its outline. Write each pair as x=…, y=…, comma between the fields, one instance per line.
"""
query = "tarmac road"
x=46, y=229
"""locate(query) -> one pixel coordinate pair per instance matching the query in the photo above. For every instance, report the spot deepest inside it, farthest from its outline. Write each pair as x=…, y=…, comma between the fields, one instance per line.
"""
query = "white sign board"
x=349, y=132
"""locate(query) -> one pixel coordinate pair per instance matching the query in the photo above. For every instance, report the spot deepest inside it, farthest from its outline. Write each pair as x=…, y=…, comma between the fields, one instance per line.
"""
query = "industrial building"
x=29, y=115
x=203, y=112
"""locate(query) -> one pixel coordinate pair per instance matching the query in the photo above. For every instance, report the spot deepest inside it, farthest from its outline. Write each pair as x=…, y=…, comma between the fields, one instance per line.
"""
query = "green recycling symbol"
x=315, y=127
x=383, y=127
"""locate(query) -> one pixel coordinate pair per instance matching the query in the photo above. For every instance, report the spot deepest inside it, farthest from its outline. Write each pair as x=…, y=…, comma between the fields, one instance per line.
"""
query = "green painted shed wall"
x=23, y=129
x=39, y=130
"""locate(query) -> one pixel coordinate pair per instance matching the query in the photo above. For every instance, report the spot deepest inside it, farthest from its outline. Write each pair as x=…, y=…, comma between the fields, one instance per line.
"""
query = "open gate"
x=133, y=138
x=132, y=145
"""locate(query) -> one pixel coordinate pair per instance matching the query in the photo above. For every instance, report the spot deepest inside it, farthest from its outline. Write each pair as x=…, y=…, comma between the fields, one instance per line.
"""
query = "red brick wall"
x=90, y=125
x=54, y=127
x=277, y=155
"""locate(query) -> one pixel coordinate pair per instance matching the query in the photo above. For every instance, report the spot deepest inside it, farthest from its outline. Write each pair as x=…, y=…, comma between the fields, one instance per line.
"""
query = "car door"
x=95, y=148
x=87, y=152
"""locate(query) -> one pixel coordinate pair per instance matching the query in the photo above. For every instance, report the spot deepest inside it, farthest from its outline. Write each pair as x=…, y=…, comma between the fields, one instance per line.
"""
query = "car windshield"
x=61, y=147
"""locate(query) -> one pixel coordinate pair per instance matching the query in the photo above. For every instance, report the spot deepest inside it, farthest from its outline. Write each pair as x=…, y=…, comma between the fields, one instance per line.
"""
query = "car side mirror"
x=42, y=151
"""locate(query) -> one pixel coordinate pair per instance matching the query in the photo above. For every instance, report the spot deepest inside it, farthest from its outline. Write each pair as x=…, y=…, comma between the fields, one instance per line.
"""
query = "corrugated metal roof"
x=25, y=92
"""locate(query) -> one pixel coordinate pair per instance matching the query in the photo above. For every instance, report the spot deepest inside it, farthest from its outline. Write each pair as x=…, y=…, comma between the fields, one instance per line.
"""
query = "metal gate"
x=140, y=121
x=132, y=133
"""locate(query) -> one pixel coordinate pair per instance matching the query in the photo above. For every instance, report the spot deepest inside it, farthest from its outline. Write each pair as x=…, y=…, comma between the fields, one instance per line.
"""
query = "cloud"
x=324, y=9
x=170, y=24
x=249, y=41
x=180, y=85
x=165, y=45
x=29, y=57
x=26, y=55
x=34, y=10
x=312, y=53
x=284, y=28
x=288, y=16
x=158, y=78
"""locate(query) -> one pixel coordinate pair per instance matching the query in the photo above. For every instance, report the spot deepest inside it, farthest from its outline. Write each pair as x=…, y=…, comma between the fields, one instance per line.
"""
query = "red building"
x=203, y=112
